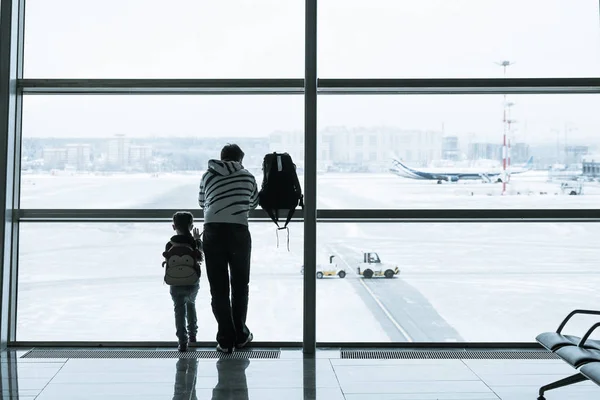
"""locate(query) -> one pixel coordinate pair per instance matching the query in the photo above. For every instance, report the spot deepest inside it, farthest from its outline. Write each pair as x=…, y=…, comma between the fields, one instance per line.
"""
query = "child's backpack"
x=182, y=265
x=280, y=190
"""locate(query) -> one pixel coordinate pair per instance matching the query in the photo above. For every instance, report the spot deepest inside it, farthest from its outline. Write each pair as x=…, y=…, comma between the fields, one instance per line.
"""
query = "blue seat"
x=553, y=340
x=592, y=372
x=577, y=356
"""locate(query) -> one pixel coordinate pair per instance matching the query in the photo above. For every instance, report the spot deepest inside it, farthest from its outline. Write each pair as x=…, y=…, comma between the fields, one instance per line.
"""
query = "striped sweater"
x=227, y=193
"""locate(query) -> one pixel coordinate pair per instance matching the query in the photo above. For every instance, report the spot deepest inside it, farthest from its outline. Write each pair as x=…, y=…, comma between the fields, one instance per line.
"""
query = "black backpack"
x=280, y=188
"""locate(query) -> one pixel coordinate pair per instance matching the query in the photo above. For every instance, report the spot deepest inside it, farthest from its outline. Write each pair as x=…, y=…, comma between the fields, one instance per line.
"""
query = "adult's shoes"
x=226, y=350
x=245, y=342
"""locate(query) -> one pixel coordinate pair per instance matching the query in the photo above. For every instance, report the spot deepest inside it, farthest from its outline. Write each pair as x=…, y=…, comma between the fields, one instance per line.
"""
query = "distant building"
x=591, y=166
x=484, y=151
x=575, y=154
x=54, y=157
x=139, y=155
x=519, y=153
x=372, y=148
x=292, y=142
x=450, y=148
x=545, y=155
x=118, y=152
x=79, y=156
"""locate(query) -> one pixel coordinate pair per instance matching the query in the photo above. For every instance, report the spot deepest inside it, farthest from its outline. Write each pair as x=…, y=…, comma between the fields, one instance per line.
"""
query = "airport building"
x=519, y=153
x=140, y=155
x=591, y=166
x=118, y=151
x=79, y=156
x=409, y=272
x=576, y=154
x=362, y=149
x=485, y=151
x=450, y=148
x=373, y=148
x=54, y=157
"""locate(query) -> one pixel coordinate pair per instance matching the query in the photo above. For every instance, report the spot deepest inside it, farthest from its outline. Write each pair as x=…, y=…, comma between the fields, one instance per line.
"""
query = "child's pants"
x=184, y=302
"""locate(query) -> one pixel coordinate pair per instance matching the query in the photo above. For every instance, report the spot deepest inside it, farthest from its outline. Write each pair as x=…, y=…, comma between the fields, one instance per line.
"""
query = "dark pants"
x=227, y=251
x=232, y=382
x=185, y=379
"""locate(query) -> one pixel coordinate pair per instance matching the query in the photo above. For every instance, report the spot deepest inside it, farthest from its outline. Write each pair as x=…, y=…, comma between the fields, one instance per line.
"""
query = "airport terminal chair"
x=585, y=354
x=552, y=341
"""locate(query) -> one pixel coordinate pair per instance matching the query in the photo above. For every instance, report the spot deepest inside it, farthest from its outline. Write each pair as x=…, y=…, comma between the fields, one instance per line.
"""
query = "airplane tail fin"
x=393, y=156
x=529, y=164
x=405, y=171
x=398, y=164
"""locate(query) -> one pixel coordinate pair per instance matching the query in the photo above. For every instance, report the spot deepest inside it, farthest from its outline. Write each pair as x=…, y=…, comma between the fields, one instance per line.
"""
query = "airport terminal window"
x=239, y=39
x=458, y=38
x=396, y=282
x=449, y=282
x=140, y=151
x=88, y=281
x=446, y=152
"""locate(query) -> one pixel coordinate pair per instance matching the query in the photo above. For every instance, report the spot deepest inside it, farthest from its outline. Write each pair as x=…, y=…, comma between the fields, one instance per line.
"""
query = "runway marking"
x=379, y=303
x=387, y=313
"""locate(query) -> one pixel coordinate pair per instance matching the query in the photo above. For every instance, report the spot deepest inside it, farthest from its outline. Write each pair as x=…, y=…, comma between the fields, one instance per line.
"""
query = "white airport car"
x=572, y=188
x=372, y=266
x=330, y=269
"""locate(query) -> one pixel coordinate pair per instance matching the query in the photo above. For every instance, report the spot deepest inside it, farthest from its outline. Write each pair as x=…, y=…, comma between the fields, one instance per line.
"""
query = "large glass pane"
x=458, y=38
x=457, y=282
x=446, y=151
x=145, y=151
x=104, y=282
x=154, y=39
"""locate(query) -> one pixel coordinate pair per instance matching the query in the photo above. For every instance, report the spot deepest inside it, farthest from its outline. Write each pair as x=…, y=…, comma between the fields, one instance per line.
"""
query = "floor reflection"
x=9, y=379
x=185, y=379
x=232, y=383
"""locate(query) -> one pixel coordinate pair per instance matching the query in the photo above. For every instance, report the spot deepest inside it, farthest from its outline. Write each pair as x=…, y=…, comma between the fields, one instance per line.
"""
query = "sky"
x=265, y=39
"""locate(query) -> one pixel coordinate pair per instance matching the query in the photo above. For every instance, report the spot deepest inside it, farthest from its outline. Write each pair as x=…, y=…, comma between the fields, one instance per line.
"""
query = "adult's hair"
x=232, y=152
x=182, y=220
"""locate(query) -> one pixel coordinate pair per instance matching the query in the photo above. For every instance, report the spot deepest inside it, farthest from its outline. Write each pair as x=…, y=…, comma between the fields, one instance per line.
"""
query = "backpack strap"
x=289, y=217
x=300, y=197
x=288, y=237
x=267, y=164
x=175, y=244
x=297, y=183
x=274, y=215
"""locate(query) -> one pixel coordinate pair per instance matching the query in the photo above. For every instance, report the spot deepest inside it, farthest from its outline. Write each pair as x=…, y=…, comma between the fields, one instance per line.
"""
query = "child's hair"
x=182, y=220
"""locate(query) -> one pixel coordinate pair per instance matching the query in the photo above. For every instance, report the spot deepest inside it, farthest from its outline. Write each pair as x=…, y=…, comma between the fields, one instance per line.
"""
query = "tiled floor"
x=289, y=378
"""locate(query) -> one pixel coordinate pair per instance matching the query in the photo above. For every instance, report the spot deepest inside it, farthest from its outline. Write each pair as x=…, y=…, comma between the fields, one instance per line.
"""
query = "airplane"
x=404, y=171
